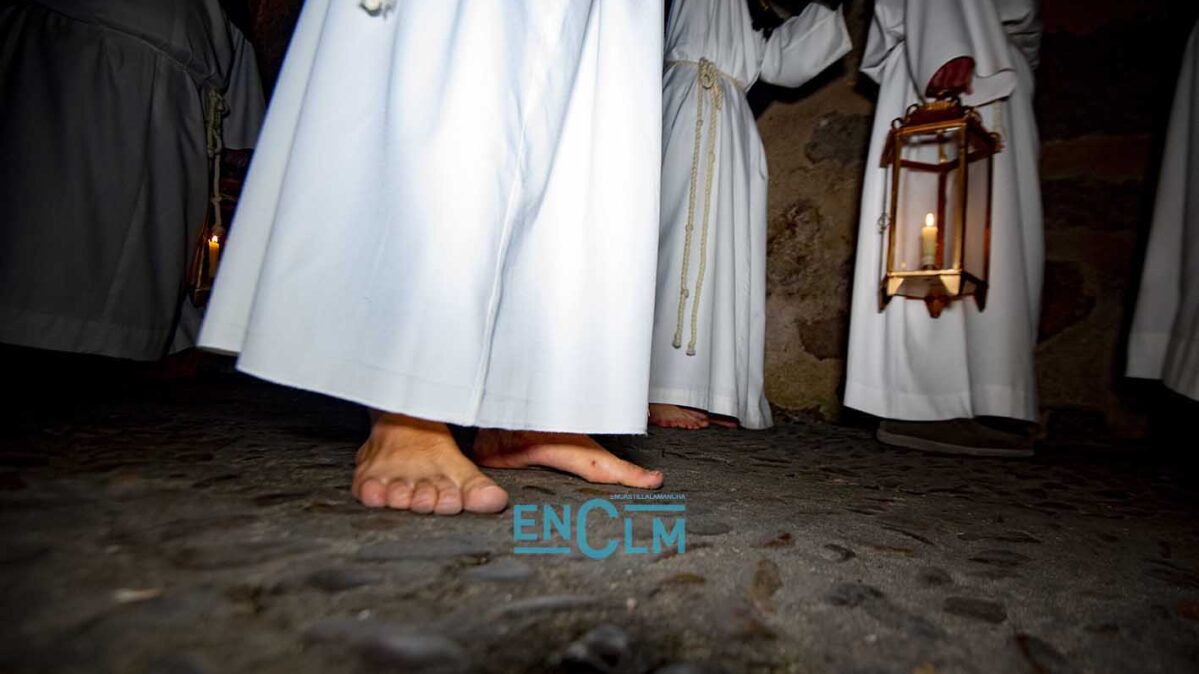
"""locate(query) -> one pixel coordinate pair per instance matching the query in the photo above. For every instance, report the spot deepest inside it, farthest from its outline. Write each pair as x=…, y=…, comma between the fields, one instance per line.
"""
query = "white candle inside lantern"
x=928, y=240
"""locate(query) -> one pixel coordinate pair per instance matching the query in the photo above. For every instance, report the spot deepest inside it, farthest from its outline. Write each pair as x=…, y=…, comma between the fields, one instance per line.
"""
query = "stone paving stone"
x=422, y=549
x=401, y=647
x=979, y=609
x=208, y=527
x=501, y=571
x=606, y=649
x=340, y=580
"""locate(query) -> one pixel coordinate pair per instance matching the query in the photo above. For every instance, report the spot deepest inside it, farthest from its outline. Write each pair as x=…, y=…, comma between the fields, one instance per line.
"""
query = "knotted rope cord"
x=717, y=100
x=709, y=81
x=215, y=109
x=699, y=126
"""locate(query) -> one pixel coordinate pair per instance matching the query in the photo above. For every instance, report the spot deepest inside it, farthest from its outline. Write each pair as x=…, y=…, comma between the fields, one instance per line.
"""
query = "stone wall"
x=1104, y=86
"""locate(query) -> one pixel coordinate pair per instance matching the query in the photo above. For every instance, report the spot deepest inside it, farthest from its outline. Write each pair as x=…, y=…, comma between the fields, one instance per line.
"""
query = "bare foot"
x=570, y=452
x=673, y=416
x=723, y=421
x=413, y=464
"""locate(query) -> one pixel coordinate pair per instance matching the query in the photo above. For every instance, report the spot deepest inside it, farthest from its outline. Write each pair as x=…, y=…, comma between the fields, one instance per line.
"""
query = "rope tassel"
x=711, y=92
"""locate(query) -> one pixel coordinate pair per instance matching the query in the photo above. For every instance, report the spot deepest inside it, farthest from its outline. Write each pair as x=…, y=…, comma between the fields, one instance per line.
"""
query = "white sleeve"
x=1022, y=21
x=886, y=34
x=804, y=45
x=939, y=31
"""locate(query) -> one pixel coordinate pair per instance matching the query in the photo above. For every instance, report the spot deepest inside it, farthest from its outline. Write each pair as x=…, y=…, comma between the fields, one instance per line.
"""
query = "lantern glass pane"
x=978, y=206
x=929, y=185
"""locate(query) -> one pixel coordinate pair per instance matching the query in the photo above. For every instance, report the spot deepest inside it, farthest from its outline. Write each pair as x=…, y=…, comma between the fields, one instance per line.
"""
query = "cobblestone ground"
x=208, y=527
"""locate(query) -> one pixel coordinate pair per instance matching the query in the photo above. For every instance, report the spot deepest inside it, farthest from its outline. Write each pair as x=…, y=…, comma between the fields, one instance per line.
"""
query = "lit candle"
x=928, y=239
x=214, y=251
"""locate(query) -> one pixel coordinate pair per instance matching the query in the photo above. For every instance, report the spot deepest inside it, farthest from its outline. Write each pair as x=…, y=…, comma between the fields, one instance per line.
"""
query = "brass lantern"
x=938, y=227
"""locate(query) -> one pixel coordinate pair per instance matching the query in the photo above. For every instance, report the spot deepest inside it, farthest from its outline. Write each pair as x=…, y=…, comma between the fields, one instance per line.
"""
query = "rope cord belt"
x=711, y=95
x=206, y=255
x=215, y=110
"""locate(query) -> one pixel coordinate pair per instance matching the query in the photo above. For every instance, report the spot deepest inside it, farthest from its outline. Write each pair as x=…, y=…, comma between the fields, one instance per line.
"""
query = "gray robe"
x=104, y=167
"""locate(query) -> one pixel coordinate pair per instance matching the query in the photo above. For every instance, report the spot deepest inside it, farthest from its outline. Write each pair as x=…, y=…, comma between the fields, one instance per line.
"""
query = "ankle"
x=388, y=425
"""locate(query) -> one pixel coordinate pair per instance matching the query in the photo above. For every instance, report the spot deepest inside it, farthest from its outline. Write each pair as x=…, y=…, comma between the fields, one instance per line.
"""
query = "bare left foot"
x=723, y=421
x=676, y=416
x=569, y=452
x=414, y=464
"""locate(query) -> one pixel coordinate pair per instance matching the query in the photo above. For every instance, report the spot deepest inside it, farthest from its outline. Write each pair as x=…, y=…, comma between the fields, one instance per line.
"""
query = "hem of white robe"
x=1147, y=354
x=982, y=401
x=101, y=338
x=702, y=399
x=1187, y=389
x=435, y=401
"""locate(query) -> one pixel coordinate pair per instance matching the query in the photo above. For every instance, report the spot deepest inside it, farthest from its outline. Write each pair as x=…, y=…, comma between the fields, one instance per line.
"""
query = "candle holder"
x=937, y=231
x=205, y=260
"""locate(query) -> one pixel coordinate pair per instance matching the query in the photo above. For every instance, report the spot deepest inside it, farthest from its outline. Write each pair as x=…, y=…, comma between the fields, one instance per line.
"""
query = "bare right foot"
x=413, y=464
x=673, y=416
x=723, y=421
x=569, y=452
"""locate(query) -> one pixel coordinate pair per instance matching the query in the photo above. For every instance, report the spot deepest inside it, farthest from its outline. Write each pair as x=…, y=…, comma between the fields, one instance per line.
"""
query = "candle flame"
x=930, y=220
x=214, y=239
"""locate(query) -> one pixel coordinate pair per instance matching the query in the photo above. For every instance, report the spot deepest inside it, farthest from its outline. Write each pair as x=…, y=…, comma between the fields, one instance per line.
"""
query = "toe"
x=424, y=497
x=399, y=495
x=372, y=492
x=632, y=475
x=449, y=498
x=481, y=495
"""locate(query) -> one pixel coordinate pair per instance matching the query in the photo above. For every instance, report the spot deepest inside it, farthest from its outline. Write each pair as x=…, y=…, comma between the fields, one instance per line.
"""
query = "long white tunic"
x=1164, y=343
x=710, y=318
x=452, y=213
x=104, y=166
x=902, y=363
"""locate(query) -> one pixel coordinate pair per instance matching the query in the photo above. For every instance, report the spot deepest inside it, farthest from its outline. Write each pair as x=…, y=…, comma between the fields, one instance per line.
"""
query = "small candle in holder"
x=928, y=240
x=214, y=251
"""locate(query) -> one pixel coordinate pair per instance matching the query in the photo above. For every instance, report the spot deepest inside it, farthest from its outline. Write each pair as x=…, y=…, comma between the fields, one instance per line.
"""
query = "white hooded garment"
x=709, y=344
x=452, y=213
x=1164, y=343
x=904, y=364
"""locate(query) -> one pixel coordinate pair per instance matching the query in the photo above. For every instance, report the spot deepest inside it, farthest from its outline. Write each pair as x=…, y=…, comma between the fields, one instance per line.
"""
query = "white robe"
x=452, y=213
x=902, y=363
x=104, y=166
x=1164, y=343
x=724, y=313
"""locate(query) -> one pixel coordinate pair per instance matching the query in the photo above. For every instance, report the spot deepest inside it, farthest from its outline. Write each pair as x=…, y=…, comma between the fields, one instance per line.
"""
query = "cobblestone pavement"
x=208, y=527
